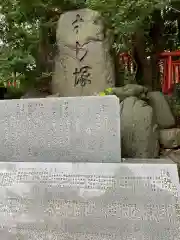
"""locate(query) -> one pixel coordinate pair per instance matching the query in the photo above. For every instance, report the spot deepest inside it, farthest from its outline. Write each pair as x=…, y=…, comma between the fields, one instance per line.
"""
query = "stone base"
x=90, y=200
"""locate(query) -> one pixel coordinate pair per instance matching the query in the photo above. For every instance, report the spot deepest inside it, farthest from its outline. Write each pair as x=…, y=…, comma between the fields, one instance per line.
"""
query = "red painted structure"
x=170, y=70
x=11, y=84
x=126, y=60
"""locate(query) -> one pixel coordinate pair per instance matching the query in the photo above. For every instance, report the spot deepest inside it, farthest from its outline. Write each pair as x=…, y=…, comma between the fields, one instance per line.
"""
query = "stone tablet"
x=60, y=129
x=83, y=65
x=86, y=201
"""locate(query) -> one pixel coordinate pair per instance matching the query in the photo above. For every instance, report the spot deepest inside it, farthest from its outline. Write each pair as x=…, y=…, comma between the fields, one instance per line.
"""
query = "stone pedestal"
x=89, y=201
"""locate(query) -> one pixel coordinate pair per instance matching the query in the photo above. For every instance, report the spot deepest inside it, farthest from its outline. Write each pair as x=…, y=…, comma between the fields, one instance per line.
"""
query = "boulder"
x=83, y=64
x=170, y=138
x=130, y=90
x=139, y=131
x=164, y=116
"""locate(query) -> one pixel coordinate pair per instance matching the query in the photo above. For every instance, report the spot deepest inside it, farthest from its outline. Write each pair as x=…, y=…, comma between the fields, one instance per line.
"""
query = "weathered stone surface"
x=33, y=93
x=130, y=90
x=170, y=138
x=60, y=129
x=89, y=201
x=162, y=160
x=84, y=64
x=54, y=95
x=139, y=131
x=174, y=155
x=164, y=116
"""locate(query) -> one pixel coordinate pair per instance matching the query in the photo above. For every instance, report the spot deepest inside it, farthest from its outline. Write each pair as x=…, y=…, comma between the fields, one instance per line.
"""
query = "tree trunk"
x=144, y=73
x=156, y=35
x=45, y=59
x=43, y=50
x=148, y=70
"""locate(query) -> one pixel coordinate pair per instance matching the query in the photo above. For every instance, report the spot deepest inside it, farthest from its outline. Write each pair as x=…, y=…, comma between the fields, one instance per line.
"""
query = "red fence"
x=170, y=70
x=14, y=84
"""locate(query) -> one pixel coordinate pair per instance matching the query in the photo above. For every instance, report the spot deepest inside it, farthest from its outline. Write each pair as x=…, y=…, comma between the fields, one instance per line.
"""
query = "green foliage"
x=126, y=17
x=17, y=53
x=24, y=27
x=27, y=31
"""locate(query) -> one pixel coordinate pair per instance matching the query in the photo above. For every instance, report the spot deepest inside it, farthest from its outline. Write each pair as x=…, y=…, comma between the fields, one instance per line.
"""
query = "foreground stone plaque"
x=60, y=129
x=89, y=201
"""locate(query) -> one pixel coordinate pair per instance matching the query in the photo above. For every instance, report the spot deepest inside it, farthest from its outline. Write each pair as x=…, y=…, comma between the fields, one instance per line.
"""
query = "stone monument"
x=83, y=64
x=98, y=201
x=72, y=129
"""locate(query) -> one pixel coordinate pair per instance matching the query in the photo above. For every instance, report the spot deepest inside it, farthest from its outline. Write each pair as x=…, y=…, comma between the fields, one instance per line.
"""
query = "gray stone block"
x=139, y=131
x=170, y=138
x=89, y=201
x=60, y=129
x=162, y=111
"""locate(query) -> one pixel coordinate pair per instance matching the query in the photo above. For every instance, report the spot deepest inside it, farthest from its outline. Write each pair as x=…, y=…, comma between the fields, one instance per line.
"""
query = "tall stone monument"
x=76, y=129
x=83, y=64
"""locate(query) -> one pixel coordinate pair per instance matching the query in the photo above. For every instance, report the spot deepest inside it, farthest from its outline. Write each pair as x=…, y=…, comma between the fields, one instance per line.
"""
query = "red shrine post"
x=171, y=71
x=126, y=61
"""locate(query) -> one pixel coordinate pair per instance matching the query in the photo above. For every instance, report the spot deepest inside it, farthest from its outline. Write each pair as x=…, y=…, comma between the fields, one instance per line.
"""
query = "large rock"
x=164, y=116
x=84, y=64
x=139, y=131
x=170, y=138
x=130, y=90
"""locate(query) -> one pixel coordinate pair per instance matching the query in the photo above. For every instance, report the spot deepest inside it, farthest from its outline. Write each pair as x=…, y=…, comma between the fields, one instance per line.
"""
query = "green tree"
x=137, y=26
x=140, y=27
x=27, y=34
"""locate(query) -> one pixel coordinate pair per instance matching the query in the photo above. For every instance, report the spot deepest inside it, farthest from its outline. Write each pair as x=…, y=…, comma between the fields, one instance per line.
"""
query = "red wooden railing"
x=170, y=70
x=11, y=84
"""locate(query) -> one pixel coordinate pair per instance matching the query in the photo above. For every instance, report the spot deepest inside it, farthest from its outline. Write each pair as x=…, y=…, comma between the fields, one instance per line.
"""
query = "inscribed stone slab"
x=88, y=201
x=79, y=70
x=60, y=129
